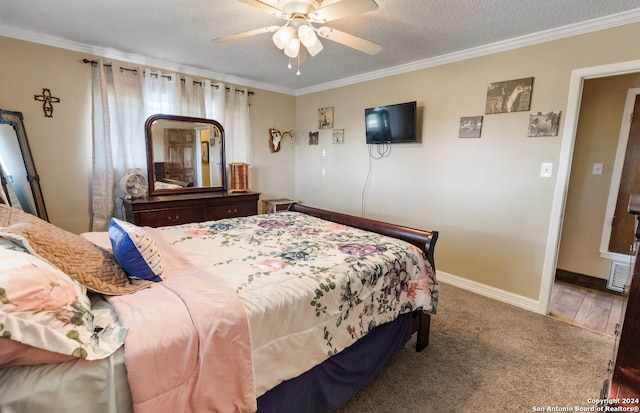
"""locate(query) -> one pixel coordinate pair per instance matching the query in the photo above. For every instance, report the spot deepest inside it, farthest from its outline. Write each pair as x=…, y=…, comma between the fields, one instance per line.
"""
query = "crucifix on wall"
x=47, y=102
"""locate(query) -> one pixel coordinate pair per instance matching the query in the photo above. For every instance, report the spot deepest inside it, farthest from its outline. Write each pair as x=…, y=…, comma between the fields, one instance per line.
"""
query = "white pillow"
x=43, y=307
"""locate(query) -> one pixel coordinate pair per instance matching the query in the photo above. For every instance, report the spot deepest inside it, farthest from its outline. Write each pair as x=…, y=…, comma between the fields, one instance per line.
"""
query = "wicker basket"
x=239, y=177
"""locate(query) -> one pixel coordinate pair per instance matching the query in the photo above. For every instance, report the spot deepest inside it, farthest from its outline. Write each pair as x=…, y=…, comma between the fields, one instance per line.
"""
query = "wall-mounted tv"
x=391, y=123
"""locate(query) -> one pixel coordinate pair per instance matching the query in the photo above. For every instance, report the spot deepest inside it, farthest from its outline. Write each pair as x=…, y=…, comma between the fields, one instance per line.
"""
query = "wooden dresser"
x=625, y=380
x=175, y=209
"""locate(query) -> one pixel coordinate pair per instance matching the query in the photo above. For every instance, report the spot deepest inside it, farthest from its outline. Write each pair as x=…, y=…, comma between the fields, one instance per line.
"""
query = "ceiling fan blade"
x=270, y=6
x=349, y=40
x=344, y=8
x=250, y=33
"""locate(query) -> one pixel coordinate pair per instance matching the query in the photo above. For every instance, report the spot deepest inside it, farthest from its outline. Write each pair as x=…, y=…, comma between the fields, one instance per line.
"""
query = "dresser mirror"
x=184, y=155
x=20, y=181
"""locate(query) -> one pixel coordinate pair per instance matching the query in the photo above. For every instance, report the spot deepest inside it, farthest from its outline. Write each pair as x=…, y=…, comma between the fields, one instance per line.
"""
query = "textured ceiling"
x=181, y=33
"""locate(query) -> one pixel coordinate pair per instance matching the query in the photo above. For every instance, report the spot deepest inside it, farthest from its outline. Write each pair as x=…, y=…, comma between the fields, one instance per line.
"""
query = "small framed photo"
x=470, y=127
x=544, y=123
x=325, y=118
x=509, y=96
x=205, y=151
x=338, y=136
x=313, y=138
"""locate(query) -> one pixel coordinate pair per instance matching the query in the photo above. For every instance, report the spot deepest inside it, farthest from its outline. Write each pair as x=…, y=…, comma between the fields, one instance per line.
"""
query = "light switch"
x=597, y=169
x=546, y=170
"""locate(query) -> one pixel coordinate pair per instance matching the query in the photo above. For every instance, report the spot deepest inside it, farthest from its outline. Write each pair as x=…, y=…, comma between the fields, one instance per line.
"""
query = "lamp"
x=308, y=37
x=282, y=37
x=292, y=48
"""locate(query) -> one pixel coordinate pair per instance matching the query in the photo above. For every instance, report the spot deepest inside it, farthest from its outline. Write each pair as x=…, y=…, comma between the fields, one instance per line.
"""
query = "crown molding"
x=589, y=26
x=113, y=54
x=615, y=20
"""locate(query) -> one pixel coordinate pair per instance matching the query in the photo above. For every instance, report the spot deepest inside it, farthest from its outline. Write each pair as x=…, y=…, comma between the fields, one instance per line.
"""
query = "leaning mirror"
x=20, y=181
x=184, y=154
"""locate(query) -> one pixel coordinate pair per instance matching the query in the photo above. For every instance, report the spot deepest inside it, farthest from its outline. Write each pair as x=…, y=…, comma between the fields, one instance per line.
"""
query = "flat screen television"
x=391, y=123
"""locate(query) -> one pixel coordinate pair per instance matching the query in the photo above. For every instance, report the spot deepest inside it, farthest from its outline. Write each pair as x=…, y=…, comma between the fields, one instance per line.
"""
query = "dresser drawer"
x=241, y=209
x=177, y=209
x=173, y=216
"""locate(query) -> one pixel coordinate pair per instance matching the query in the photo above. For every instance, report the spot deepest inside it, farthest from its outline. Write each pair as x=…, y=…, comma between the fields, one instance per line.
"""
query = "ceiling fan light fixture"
x=282, y=38
x=292, y=48
x=315, y=48
x=307, y=36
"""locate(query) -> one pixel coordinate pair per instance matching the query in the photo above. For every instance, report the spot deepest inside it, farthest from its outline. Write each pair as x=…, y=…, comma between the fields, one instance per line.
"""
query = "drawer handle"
x=170, y=218
x=233, y=211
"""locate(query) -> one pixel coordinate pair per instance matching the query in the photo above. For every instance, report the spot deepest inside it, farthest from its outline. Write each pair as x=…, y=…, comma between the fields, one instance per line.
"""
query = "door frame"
x=616, y=173
x=578, y=76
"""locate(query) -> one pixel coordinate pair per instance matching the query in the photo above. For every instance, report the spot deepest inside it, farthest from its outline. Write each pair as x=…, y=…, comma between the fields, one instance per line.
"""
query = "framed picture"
x=470, y=127
x=313, y=138
x=325, y=118
x=338, y=136
x=205, y=151
x=544, y=123
x=509, y=96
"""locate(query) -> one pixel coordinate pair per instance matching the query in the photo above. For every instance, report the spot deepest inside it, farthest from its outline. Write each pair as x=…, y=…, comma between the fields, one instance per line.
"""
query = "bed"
x=237, y=315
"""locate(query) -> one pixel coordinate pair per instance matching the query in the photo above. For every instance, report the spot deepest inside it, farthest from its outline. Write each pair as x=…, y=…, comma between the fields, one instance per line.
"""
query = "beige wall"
x=601, y=110
x=61, y=145
x=485, y=195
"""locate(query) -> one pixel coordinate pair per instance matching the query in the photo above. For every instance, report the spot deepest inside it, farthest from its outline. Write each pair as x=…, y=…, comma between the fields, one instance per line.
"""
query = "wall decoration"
x=313, y=138
x=509, y=96
x=275, y=136
x=291, y=134
x=204, y=146
x=47, y=102
x=325, y=118
x=338, y=136
x=544, y=123
x=470, y=127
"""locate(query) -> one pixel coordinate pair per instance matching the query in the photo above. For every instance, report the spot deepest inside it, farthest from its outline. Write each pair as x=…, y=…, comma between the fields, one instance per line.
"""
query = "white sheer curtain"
x=123, y=99
x=118, y=124
x=231, y=109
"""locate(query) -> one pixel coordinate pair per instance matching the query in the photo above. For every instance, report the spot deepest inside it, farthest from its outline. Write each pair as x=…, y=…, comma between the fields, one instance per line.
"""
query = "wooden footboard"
x=425, y=240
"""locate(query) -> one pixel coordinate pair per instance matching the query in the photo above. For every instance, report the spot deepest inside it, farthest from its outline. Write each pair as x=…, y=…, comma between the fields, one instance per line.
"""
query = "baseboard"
x=587, y=281
x=488, y=291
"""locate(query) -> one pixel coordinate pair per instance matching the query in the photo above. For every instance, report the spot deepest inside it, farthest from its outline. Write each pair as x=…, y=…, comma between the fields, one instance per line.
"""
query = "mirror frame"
x=14, y=119
x=150, y=162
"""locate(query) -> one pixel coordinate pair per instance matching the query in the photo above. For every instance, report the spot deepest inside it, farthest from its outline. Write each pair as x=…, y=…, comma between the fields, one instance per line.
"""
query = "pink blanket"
x=188, y=347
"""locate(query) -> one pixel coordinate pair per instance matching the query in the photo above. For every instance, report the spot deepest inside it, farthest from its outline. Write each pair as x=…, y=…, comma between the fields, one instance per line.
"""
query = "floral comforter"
x=310, y=287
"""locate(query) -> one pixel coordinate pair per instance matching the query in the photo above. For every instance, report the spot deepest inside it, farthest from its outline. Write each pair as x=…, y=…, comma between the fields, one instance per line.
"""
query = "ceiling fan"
x=299, y=29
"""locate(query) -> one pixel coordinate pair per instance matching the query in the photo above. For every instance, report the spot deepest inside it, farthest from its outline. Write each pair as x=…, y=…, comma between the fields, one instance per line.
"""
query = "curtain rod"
x=195, y=82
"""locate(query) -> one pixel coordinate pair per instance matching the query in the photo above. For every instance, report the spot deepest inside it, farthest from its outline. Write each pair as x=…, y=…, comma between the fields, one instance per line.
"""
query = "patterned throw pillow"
x=135, y=251
x=90, y=265
x=43, y=307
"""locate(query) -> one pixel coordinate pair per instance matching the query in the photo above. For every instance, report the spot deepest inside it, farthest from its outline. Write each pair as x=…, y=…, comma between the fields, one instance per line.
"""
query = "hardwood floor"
x=585, y=307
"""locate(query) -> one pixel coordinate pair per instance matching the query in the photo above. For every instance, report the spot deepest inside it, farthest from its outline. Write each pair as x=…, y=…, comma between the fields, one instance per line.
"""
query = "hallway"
x=585, y=307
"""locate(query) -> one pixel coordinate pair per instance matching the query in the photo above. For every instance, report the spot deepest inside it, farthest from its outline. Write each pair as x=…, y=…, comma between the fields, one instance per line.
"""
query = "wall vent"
x=618, y=275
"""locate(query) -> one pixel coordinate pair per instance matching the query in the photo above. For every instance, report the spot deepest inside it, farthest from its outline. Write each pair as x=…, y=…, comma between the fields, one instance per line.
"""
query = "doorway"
x=564, y=168
x=626, y=179
x=603, y=174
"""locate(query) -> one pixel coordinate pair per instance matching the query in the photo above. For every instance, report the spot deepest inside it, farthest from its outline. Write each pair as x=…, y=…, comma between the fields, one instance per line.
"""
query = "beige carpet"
x=487, y=356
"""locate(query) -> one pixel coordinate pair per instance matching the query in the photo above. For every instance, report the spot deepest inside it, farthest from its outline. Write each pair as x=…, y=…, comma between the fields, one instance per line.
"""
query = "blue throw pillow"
x=135, y=251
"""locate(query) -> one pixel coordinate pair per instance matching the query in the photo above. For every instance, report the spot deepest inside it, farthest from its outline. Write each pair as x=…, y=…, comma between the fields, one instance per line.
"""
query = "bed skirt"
x=331, y=383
